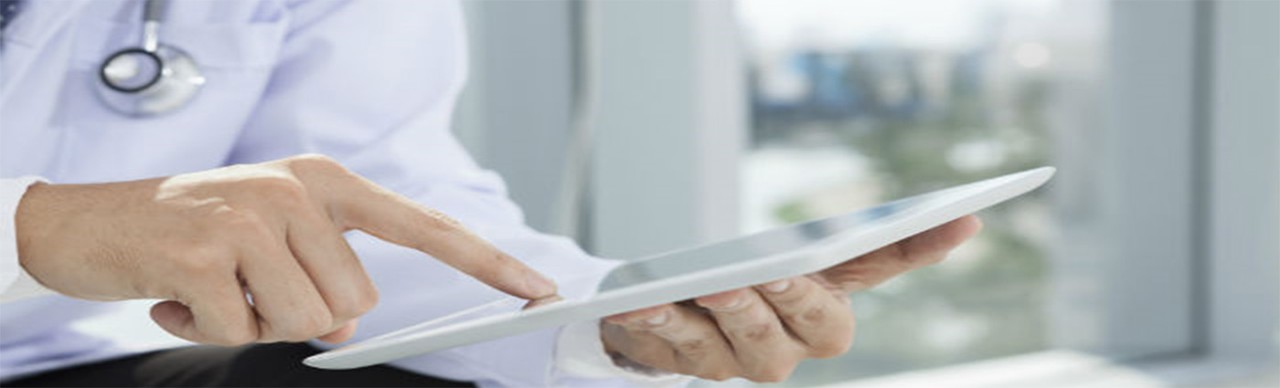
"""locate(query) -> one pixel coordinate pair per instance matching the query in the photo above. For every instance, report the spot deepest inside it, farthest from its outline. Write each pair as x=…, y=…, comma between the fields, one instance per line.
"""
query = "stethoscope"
x=151, y=79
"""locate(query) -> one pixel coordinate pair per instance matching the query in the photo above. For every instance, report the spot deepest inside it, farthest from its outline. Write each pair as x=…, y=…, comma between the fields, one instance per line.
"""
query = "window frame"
x=668, y=116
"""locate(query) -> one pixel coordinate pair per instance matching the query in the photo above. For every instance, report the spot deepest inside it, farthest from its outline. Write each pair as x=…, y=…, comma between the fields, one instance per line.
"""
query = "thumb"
x=205, y=326
x=219, y=317
x=177, y=319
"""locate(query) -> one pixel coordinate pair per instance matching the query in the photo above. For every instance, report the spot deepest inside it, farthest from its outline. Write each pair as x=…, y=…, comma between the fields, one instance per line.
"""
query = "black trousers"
x=268, y=365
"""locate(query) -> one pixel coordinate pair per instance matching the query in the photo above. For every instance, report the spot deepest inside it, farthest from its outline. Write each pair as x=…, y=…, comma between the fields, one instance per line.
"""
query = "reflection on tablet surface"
x=767, y=243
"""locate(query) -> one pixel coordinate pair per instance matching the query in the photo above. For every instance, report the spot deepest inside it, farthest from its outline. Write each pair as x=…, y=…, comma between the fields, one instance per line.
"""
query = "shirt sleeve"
x=373, y=85
x=15, y=282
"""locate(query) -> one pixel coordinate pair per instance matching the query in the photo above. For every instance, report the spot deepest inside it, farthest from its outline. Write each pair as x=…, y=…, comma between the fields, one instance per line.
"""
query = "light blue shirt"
x=369, y=83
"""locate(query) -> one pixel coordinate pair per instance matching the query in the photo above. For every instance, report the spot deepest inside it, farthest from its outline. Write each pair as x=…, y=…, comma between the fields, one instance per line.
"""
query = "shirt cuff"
x=580, y=353
x=15, y=282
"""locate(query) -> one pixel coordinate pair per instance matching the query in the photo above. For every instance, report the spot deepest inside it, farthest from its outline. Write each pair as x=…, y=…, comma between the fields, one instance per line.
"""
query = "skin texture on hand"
x=761, y=333
x=246, y=253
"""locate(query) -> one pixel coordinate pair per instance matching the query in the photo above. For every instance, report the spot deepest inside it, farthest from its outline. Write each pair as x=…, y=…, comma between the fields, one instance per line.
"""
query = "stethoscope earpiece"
x=151, y=79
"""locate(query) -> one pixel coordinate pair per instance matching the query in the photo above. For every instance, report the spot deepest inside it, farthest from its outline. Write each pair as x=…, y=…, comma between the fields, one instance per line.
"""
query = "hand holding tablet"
x=761, y=333
x=812, y=256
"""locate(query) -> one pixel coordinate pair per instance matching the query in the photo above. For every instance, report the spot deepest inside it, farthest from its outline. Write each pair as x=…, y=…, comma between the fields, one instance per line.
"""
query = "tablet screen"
x=768, y=243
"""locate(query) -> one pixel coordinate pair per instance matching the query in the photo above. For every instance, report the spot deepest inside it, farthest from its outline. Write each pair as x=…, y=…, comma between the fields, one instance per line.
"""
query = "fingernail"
x=656, y=320
x=539, y=285
x=616, y=319
x=542, y=302
x=778, y=287
x=731, y=304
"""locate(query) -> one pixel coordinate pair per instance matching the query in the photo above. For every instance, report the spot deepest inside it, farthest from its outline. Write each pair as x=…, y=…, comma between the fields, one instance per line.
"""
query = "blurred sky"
x=935, y=24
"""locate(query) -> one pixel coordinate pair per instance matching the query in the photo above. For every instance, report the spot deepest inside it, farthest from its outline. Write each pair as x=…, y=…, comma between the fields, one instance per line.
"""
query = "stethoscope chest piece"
x=151, y=79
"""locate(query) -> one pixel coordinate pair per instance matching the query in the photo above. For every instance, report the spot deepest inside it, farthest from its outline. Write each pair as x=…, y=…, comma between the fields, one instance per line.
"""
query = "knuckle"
x=853, y=276
x=758, y=332
x=813, y=316
x=899, y=252
x=353, y=304
x=280, y=190
x=314, y=164
x=694, y=348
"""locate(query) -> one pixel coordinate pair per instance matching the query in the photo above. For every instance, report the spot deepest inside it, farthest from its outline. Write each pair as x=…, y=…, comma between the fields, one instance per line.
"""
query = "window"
x=856, y=103
x=1148, y=244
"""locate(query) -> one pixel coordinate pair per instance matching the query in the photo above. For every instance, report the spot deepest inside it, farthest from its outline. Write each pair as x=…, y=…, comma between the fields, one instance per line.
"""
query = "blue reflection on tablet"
x=763, y=244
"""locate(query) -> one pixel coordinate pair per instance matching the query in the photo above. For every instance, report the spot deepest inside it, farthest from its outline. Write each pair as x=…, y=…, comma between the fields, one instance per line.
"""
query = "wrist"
x=41, y=220
x=29, y=224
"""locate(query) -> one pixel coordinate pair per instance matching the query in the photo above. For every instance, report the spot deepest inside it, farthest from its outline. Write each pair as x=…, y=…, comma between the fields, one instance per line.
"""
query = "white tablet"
x=684, y=274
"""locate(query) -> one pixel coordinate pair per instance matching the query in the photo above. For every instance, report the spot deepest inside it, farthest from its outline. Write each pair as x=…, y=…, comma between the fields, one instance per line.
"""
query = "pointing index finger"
x=398, y=220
